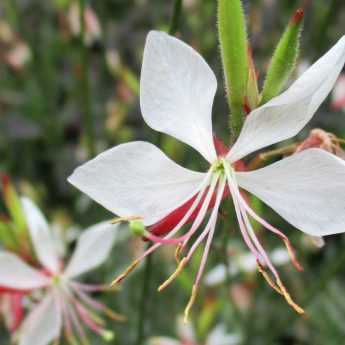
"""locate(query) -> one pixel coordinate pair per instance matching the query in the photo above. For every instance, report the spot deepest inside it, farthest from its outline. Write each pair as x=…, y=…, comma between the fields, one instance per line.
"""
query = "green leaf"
x=284, y=58
x=234, y=48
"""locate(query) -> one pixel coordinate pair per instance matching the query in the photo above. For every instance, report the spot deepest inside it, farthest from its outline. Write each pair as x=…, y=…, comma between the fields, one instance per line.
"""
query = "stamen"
x=123, y=275
x=178, y=252
x=196, y=223
x=270, y=227
x=124, y=219
x=241, y=224
x=98, y=306
x=268, y=279
x=190, y=303
x=180, y=267
x=177, y=228
x=288, y=298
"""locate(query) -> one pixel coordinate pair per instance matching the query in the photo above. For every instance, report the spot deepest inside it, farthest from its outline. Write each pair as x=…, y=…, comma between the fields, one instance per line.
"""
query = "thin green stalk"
x=175, y=19
x=144, y=302
x=85, y=87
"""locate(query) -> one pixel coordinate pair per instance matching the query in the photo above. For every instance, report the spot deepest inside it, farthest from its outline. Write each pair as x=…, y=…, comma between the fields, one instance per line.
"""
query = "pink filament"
x=195, y=224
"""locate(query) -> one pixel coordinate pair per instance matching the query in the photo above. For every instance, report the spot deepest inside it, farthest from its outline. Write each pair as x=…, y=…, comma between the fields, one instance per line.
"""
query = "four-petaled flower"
x=177, y=89
x=64, y=303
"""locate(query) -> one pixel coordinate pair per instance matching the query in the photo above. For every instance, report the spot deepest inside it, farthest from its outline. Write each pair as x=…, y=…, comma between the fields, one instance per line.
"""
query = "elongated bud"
x=284, y=58
x=137, y=227
x=13, y=204
x=252, y=97
x=234, y=48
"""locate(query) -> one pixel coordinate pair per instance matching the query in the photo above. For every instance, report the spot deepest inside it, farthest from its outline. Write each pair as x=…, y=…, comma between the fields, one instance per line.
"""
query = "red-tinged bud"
x=221, y=148
x=298, y=16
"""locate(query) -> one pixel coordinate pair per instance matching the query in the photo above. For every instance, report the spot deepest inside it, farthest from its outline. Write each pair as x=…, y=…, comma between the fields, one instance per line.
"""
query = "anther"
x=268, y=279
x=289, y=299
x=178, y=252
x=190, y=303
x=123, y=275
x=179, y=268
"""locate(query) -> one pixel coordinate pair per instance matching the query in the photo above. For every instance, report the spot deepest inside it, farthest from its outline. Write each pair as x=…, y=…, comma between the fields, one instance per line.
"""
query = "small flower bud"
x=137, y=227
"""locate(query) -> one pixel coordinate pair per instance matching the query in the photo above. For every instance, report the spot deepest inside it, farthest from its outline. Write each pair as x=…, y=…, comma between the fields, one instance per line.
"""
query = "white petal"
x=177, y=89
x=219, y=337
x=162, y=341
x=93, y=248
x=284, y=116
x=41, y=236
x=307, y=189
x=16, y=274
x=136, y=179
x=43, y=325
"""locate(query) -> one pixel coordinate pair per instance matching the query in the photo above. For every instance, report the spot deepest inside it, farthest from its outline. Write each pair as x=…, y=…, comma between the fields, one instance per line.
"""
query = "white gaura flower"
x=176, y=95
x=65, y=304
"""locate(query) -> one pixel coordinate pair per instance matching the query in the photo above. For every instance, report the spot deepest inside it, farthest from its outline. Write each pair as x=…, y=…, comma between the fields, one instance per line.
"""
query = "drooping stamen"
x=203, y=187
x=190, y=303
x=241, y=224
x=97, y=305
x=75, y=320
x=242, y=213
x=271, y=228
x=201, y=237
x=180, y=267
x=196, y=223
x=212, y=225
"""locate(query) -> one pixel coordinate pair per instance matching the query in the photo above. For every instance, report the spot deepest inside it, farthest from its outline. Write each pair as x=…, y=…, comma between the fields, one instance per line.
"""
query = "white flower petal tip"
x=43, y=324
x=136, y=179
x=41, y=236
x=306, y=189
x=93, y=248
x=285, y=115
x=16, y=274
x=177, y=89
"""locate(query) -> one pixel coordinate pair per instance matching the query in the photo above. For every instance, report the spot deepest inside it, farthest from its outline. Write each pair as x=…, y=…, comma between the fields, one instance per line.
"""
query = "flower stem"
x=144, y=301
x=175, y=19
x=86, y=105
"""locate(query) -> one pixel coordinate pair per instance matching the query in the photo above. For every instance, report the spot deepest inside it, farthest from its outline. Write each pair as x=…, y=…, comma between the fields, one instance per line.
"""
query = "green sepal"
x=234, y=47
x=284, y=58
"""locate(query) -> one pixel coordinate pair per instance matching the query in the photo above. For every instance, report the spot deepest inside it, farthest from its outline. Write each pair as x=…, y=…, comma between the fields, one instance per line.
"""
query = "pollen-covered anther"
x=178, y=270
x=190, y=303
x=178, y=251
x=268, y=279
x=123, y=275
x=118, y=220
x=289, y=299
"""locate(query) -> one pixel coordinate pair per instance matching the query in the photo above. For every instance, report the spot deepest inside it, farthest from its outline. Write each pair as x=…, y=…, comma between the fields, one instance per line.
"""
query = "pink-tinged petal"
x=93, y=248
x=338, y=96
x=306, y=189
x=41, y=236
x=16, y=274
x=43, y=325
x=284, y=116
x=137, y=179
x=177, y=89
